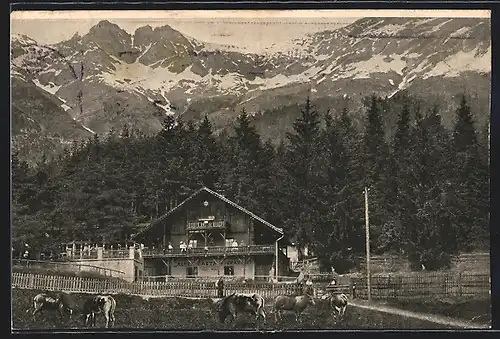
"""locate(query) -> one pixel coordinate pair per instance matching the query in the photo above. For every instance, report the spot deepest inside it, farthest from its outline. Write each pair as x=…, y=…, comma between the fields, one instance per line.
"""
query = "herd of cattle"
x=227, y=307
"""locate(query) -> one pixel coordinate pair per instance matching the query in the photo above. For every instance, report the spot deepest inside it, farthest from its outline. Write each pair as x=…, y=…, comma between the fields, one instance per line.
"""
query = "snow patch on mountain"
x=65, y=107
x=85, y=127
x=50, y=88
x=439, y=26
x=377, y=64
x=145, y=77
x=386, y=30
x=460, y=32
x=462, y=61
x=276, y=81
x=22, y=39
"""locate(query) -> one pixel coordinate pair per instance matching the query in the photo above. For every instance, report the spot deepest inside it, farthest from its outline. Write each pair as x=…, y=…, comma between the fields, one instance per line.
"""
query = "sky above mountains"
x=252, y=35
x=253, y=31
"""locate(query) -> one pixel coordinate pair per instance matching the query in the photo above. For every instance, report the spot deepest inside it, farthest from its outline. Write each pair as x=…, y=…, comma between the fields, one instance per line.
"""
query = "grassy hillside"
x=39, y=124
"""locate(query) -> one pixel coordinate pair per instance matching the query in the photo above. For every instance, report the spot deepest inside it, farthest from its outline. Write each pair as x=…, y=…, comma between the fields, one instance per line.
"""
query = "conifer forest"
x=428, y=184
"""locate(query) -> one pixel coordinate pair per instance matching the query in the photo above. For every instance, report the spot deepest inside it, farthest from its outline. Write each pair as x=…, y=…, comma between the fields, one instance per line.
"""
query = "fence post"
x=460, y=283
x=351, y=288
x=31, y=281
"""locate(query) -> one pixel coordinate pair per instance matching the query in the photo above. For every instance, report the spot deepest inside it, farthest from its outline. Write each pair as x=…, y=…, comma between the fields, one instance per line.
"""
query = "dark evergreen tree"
x=375, y=155
x=247, y=163
x=301, y=160
x=469, y=180
x=207, y=157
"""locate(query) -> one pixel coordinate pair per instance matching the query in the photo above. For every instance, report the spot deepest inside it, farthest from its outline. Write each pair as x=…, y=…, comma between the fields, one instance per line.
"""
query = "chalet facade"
x=209, y=235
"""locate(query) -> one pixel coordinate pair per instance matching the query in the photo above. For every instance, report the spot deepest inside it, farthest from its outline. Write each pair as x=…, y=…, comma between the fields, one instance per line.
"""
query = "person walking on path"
x=220, y=288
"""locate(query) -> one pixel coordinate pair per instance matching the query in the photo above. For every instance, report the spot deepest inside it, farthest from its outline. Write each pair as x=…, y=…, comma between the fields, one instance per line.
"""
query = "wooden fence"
x=195, y=288
x=383, y=287
x=395, y=263
x=422, y=285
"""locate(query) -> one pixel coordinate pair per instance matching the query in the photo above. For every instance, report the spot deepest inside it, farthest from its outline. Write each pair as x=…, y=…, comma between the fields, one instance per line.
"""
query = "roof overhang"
x=158, y=221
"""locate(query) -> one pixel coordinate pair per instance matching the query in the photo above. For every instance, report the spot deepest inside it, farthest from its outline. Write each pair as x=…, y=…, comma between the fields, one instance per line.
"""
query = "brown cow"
x=296, y=304
x=235, y=303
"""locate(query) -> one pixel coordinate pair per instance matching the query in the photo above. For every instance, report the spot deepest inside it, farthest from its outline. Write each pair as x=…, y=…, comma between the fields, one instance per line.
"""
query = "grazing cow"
x=296, y=304
x=338, y=302
x=60, y=302
x=235, y=303
x=99, y=304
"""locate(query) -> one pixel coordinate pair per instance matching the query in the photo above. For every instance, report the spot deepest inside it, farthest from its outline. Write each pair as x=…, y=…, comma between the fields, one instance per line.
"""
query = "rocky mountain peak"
x=138, y=79
x=109, y=37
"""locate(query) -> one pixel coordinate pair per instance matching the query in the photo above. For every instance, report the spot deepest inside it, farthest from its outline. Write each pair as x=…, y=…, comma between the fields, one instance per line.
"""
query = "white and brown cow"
x=105, y=304
x=59, y=301
x=338, y=303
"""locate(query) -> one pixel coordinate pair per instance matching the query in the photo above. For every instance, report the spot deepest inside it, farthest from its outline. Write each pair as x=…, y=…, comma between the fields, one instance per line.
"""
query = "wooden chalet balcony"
x=212, y=251
x=208, y=225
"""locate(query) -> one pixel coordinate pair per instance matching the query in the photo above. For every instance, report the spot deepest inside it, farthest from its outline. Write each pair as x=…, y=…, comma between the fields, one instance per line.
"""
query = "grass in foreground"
x=469, y=309
x=191, y=314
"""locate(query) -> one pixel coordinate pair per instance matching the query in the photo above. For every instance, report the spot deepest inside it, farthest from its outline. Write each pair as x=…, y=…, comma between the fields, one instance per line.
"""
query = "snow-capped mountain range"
x=109, y=77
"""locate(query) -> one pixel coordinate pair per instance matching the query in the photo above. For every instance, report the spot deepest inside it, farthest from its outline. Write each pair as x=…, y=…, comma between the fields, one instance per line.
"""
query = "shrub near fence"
x=424, y=285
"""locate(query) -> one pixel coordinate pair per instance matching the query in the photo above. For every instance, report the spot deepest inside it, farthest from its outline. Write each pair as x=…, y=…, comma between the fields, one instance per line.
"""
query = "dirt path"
x=422, y=316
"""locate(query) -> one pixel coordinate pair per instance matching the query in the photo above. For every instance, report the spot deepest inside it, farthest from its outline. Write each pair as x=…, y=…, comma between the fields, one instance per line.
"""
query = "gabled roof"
x=219, y=196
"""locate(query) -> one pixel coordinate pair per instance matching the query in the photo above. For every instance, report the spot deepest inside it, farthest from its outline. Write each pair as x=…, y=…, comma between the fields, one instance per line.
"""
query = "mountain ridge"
x=109, y=77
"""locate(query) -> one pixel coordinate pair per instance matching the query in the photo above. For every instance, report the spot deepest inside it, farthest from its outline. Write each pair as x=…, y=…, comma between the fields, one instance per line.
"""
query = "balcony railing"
x=201, y=225
x=210, y=251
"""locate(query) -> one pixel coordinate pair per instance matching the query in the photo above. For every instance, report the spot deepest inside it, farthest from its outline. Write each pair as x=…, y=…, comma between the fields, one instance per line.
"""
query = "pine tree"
x=429, y=236
x=354, y=204
x=401, y=165
x=468, y=181
x=206, y=153
x=302, y=158
x=246, y=154
x=334, y=228
x=375, y=155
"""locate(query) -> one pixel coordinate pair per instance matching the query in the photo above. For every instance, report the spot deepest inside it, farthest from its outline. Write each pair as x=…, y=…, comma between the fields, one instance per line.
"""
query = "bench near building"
x=210, y=235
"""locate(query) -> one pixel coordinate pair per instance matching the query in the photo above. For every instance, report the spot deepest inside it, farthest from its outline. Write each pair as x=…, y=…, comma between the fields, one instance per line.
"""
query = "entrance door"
x=191, y=271
x=261, y=272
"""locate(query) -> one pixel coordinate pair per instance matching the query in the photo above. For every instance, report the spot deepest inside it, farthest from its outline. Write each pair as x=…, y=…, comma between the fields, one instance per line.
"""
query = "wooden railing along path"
x=66, y=267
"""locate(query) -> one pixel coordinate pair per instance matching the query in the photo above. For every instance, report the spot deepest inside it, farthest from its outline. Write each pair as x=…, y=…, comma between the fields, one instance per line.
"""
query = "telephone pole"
x=367, y=234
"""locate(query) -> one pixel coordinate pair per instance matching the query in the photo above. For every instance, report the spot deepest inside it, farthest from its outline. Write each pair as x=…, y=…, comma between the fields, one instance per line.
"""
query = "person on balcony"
x=170, y=247
x=182, y=245
x=234, y=245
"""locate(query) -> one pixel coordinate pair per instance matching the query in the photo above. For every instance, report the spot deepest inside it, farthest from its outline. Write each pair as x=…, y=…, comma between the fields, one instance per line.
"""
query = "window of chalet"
x=228, y=270
x=191, y=271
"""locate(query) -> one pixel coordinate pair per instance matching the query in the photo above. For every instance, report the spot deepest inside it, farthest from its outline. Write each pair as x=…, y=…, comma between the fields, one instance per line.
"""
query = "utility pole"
x=367, y=234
